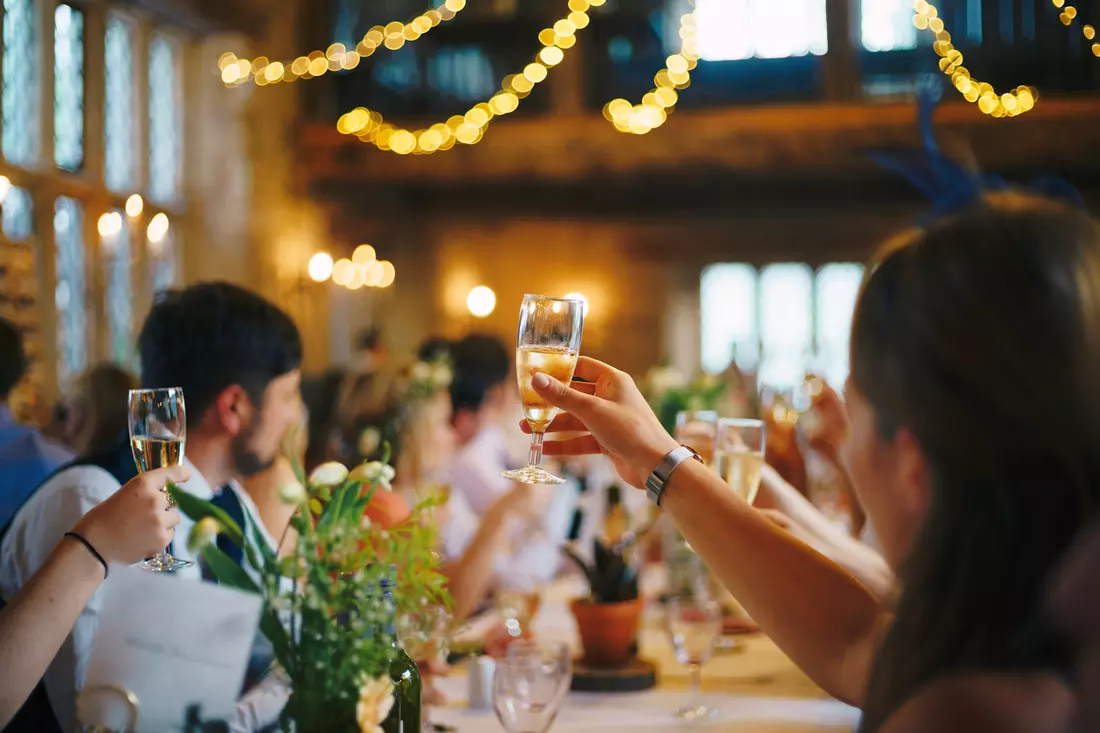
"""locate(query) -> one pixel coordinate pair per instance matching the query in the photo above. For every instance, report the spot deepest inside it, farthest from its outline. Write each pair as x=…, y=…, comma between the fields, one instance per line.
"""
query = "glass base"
x=698, y=712
x=532, y=475
x=165, y=563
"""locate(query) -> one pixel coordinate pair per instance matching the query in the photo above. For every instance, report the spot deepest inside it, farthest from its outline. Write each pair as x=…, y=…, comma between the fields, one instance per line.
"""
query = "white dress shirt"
x=475, y=469
x=35, y=531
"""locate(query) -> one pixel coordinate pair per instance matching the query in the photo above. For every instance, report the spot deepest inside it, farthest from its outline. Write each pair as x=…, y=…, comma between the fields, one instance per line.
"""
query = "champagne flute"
x=549, y=342
x=158, y=430
x=693, y=620
x=739, y=455
x=698, y=429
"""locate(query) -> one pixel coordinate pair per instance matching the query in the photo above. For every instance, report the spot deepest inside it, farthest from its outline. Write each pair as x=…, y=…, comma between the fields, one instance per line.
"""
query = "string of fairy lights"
x=261, y=71
x=369, y=126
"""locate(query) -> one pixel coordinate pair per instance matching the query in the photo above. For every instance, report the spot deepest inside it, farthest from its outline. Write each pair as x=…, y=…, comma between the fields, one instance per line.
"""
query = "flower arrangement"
x=331, y=627
x=669, y=392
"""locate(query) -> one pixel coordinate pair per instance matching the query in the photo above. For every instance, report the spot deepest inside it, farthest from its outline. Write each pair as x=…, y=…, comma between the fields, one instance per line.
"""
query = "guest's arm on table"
x=469, y=577
x=813, y=528
x=820, y=616
x=134, y=523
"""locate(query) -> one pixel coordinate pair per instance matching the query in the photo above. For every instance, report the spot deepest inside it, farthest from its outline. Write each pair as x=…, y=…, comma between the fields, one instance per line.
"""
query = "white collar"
x=197, y=485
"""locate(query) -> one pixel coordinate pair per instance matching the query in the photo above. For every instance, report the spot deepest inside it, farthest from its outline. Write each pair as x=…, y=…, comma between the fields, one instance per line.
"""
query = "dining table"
x=751, y=684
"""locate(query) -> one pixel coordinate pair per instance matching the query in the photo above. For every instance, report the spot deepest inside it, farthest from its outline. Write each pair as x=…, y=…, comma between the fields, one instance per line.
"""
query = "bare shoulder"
x=987, y=703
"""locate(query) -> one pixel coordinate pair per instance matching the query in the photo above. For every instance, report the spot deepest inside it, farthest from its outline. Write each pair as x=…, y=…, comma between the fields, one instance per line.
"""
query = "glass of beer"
x=739, y=455
x=549, y=343
x=158, y=430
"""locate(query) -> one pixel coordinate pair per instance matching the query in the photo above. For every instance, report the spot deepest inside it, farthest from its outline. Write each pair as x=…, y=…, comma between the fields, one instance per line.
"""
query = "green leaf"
x=197, y=509
x=275, y=632
x=227, y=572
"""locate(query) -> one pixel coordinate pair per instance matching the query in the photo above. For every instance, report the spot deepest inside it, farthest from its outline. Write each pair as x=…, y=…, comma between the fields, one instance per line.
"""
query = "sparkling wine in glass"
x=549, y=343
x=739, y=455
x=693, y=620
x=158, y=432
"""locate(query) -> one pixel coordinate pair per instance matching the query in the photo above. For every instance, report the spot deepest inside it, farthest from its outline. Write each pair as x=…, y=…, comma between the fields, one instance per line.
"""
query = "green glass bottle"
x=405, y=717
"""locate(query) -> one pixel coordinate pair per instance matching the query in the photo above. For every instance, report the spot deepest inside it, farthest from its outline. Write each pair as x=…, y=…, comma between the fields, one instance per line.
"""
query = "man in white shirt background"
x=237, y=358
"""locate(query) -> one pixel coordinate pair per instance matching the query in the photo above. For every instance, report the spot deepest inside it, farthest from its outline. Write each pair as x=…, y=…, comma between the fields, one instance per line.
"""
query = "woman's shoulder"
x=988, y=703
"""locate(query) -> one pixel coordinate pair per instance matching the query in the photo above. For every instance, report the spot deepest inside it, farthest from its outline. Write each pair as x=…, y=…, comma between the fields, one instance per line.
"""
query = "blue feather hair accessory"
x=947, y=184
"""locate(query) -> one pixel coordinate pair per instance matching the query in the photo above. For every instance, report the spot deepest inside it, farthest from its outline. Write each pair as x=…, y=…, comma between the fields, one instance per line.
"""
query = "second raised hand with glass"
x=739, y=455
x=158, y=432
x=549, y=343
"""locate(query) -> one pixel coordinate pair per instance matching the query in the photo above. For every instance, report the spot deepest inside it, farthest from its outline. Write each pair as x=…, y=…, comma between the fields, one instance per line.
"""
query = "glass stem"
x=535, y=457
x=696, y=672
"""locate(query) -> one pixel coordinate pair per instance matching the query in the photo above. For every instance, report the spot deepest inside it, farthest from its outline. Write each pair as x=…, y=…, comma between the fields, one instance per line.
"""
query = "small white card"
x=171, y=643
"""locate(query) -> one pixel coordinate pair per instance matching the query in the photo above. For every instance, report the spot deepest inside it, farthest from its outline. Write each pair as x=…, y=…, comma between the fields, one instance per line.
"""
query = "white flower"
x=421, y=372
x=203, y=533
x=292, y=493
x=441, y=376
x=369, y=440
x=329, y=474
x=375, y=703
x=374, y=473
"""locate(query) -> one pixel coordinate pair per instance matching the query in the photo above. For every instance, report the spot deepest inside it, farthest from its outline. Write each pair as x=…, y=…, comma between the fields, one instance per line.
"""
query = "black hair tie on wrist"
x=86, y=543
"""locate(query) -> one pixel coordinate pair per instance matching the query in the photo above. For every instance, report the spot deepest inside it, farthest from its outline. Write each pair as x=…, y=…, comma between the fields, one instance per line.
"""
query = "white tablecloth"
x=755, y=688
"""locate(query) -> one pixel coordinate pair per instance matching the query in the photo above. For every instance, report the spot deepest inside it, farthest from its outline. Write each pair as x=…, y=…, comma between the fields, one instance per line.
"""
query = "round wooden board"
x=637, y=676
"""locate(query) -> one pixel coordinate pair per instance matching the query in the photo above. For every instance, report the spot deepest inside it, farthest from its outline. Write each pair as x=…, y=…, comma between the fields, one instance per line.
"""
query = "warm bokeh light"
x=481, y=301
x=320, y=267
x=389, y=274
x=363, y=255
x=110, y=224
x=358, y=279
x=373, y=274
x=343, y=271
x=134, y=206
x=158, y=227
x=581, y=298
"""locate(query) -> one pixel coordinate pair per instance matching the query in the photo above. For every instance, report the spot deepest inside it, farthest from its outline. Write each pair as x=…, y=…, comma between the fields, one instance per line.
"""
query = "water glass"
x=694, y=624
x=529, y=686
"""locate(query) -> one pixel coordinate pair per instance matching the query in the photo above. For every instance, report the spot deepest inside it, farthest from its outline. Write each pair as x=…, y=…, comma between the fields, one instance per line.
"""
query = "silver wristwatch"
x=655, y=484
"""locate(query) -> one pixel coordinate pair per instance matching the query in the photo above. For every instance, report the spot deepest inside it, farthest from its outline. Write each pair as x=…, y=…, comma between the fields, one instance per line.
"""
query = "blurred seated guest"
x=26, y=457
x=96, y=408
x=974, y=425
x=236, y=357
x=325, y=440
x=134, y=523
x=1075, y=601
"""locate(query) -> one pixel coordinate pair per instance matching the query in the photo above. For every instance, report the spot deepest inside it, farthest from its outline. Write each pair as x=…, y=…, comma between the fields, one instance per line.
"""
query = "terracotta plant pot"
x=609, y=631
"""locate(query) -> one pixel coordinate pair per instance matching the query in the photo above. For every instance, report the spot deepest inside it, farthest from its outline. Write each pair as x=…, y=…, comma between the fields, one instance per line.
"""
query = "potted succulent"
x=607, y=620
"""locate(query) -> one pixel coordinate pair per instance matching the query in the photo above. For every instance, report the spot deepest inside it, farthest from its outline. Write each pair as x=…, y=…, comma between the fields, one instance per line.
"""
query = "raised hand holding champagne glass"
x=549, y=343
x=158, y=431
x=739, y=455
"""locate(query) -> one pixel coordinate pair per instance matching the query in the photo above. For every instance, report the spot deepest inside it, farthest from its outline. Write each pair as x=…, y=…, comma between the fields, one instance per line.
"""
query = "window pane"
x=69, y=295
x=727, y=312
x=837, y=288
x=786, y=324
x=68, y=87
x=162, y=262
x=116, y=250
x=164, y=125
x=887, y=25
x=18, y=214
x=741, y=29
x=20, y=83
x=118, y=109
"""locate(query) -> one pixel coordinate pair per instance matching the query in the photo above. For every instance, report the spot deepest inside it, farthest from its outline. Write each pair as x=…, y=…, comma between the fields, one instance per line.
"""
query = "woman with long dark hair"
x=973, y=446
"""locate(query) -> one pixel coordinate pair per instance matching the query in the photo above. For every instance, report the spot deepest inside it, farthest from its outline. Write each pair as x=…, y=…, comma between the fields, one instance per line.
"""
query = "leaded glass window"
x=741, y=29
x=836, y=291
x=887, y=25
x=120, y=293
x=164, y=120
x=69, y=293
x=162, y=262
x=20, y=102
x=68, y=88
x=728, y=305
x=18, y=214
x=118, y=106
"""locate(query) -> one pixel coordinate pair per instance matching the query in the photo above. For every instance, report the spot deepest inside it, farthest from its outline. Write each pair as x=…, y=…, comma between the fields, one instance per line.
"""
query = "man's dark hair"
x=211, y=336
x=13, y=360
x=480, y=362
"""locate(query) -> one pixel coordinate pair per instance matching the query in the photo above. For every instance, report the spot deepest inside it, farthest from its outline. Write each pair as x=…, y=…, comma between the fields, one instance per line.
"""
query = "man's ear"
x=233, y=409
